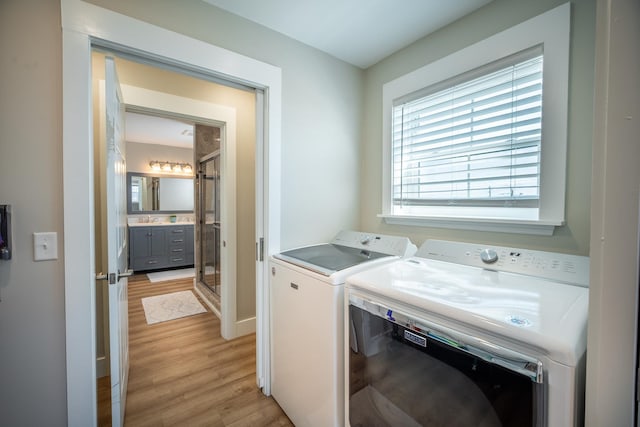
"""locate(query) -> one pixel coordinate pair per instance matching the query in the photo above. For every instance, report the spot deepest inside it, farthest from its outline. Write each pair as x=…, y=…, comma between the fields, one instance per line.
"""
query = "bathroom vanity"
x=158, y=245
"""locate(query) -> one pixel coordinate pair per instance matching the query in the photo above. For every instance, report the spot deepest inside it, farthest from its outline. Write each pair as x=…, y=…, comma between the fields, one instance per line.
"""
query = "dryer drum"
x=396, y=380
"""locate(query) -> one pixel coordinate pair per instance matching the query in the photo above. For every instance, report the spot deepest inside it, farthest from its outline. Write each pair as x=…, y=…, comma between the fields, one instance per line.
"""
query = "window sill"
x=536, y=227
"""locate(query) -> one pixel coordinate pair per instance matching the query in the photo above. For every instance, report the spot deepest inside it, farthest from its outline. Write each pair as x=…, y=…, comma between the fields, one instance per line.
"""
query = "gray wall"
x=32, y=328
x=615, y=216
x=321, y=100
x=491, y=19
x=322, y=104
x=321, y=130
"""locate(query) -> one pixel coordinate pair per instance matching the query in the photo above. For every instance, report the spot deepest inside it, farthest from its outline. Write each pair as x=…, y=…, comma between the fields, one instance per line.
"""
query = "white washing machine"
x=467, y=335
x=307, y=321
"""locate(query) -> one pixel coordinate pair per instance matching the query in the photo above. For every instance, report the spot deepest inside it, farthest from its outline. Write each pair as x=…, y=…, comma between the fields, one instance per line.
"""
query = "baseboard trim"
x=102, y=368
x=245, y=326
x=242, y=327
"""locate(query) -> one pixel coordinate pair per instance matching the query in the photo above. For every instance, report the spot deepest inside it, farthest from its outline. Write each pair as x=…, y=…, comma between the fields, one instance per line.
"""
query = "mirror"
x=148, y=193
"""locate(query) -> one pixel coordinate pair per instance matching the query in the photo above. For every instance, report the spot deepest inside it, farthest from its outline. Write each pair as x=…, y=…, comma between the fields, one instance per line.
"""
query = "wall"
x=321, y=99
x=615, y=216
x=32, y=322
x=491, y=19
x=139, y=155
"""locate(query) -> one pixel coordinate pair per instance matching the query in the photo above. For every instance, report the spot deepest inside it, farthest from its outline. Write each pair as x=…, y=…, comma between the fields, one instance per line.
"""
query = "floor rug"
x=171, y=306
x=161, y=276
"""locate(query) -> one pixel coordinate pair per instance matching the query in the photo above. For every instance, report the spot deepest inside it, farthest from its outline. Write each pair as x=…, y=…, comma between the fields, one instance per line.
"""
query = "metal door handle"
x=112, y=277
x=127, y=273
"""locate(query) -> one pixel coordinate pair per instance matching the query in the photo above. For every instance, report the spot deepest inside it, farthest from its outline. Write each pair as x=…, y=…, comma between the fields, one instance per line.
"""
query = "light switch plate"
x=45, y=246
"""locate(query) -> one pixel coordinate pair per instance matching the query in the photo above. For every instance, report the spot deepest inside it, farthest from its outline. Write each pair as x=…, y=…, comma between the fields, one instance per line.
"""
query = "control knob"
x=488, y=256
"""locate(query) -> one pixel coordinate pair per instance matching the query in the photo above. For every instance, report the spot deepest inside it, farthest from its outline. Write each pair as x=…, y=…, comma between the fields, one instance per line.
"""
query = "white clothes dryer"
x=467, y=335
x=307, y=321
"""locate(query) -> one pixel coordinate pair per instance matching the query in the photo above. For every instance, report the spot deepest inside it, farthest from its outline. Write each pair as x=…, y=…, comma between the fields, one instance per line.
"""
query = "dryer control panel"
x=571, y=269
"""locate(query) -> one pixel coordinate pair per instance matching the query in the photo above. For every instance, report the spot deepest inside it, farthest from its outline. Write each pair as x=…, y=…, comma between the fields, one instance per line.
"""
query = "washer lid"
x=328, y=258
x=538, y=313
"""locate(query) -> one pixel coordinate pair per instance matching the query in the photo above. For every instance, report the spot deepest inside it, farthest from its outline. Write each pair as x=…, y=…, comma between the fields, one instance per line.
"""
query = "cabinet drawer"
x=176, y=260
x=148, y=263
x=176, y=250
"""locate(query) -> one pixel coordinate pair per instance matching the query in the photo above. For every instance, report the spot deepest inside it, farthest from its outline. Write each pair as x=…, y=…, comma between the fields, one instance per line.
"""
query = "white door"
x=117, y=244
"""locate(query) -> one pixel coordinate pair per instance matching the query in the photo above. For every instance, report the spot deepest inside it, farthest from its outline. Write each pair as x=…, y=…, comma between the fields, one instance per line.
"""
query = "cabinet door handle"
x=176, y=259
x=178, y=240
x=177, y=231
x=176, y=250
x=152, y=262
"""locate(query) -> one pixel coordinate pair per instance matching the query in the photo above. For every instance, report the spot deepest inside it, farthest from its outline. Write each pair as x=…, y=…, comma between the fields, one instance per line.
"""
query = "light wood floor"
x=183, y=373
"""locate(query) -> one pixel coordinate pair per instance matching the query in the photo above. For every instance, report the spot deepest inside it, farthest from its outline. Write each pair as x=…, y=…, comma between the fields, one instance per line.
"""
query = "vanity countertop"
x=157, y=224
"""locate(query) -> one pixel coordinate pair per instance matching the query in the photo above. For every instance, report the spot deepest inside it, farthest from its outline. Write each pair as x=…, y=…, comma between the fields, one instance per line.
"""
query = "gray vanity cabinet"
x=161, y=246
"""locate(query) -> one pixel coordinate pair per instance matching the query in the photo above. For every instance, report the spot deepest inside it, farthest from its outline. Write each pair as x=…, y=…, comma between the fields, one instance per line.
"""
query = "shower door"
x=210, y=237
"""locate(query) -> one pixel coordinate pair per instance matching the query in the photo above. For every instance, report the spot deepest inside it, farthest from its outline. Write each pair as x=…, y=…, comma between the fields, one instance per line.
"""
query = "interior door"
x=117, y=243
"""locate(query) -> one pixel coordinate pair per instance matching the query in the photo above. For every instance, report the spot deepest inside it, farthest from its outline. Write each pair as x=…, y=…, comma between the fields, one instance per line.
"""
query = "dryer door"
x=410, y=372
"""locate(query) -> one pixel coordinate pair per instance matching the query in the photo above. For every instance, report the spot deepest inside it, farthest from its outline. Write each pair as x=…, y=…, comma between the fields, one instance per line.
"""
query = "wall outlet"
x=45, y=246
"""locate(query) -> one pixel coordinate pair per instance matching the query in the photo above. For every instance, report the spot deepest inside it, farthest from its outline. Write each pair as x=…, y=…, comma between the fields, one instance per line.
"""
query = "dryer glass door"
x=410, y=372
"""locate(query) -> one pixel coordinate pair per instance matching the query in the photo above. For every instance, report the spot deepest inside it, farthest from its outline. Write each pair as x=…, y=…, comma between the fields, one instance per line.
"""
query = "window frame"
x=551, y=30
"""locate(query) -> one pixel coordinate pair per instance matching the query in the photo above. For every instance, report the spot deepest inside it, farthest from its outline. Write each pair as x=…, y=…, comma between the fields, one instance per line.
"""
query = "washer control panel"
x=572, y=269
x=385, y=244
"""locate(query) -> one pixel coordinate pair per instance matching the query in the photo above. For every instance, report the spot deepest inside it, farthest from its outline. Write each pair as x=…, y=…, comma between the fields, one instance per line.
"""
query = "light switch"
x=45, y=246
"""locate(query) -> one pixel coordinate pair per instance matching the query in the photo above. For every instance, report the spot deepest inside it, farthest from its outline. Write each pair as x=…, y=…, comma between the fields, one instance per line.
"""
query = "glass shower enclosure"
x=210, y=231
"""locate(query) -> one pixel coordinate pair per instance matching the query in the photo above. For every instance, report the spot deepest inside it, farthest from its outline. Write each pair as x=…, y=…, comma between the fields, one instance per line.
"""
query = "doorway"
x=221, y=121
x=82, y=25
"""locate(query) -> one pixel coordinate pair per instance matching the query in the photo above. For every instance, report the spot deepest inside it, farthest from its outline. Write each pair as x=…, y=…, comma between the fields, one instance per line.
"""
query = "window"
x=477, y=140
x=475, y=143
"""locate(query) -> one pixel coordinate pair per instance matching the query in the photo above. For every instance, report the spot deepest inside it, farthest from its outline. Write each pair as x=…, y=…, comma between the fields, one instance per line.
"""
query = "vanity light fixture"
x=174, y=167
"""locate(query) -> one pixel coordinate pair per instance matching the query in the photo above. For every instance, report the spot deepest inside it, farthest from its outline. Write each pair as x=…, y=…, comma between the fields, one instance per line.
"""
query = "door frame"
x=82, y=25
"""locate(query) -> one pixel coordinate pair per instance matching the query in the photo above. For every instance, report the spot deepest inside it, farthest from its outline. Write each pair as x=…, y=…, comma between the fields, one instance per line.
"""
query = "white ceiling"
x=360, y=32
x=158, y=130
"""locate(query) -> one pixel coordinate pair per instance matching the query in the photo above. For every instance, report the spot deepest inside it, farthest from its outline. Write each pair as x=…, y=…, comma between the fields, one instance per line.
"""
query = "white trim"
x=262, y=274
x=494, y=225
x=79, y=237
x=245, y=326
x=550, y=29
x=82, y=22
x=101, y=366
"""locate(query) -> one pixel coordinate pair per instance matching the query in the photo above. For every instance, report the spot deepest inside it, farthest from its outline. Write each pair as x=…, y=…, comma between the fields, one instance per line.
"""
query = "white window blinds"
x=475, y=142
